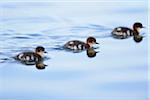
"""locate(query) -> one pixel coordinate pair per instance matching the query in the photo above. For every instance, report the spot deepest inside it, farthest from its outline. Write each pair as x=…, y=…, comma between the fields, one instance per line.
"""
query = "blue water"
x=118, y=72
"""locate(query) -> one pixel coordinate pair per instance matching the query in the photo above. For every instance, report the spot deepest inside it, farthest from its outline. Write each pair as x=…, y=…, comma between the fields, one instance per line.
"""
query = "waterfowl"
x=32, y=58
x=125, y=32
x=80, y=45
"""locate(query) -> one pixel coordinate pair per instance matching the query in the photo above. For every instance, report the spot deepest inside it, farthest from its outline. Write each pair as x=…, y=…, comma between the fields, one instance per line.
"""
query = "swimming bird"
x=125, y=32
x=32, y=58
x=80, y=45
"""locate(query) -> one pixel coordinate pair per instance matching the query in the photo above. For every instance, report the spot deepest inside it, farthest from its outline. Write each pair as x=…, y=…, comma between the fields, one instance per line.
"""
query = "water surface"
x=117, y=72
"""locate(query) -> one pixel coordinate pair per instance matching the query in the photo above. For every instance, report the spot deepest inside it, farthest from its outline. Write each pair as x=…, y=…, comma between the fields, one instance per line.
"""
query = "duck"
x=32, y=58
x=80, y=45
x=125, y=32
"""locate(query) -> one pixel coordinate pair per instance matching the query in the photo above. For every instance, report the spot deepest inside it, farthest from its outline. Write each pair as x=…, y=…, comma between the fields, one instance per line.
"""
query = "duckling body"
x=76, y=45
x=122, y=32
x=29, y=58
x=32, y=58
x=80, y=45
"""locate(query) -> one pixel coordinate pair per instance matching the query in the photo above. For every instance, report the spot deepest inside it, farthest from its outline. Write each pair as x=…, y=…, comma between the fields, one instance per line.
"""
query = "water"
x=117, y=72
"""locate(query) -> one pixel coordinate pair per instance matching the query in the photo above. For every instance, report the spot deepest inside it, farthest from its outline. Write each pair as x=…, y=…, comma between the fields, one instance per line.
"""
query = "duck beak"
x=96, y=43
x=143, y=36
x=96, y=51
x=45, y=52
x=143, y=27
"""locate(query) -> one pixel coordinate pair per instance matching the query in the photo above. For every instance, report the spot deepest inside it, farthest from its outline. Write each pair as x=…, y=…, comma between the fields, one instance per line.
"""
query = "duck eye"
x=90, y=41
x=38, y=50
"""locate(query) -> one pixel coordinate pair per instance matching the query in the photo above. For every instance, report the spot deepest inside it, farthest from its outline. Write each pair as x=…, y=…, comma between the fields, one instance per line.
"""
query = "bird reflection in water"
x=91, y=53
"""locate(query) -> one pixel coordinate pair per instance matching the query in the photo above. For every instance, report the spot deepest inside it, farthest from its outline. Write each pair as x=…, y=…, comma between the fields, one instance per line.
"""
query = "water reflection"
x=138, y=38
x=40, y=65
x=91, y=52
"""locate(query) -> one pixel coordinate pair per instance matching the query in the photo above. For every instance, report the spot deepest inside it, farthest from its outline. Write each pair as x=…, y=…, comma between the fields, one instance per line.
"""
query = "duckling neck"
x=135, y=32
x=39, y=54
x=87, y=46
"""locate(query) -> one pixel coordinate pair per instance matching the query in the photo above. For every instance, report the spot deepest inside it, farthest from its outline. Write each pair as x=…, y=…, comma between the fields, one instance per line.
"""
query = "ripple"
x=92, y=27
x=21, y=37
x=11, y=30
x=79, y=31
x=2, y=60
x=56, y=48
x=34, y=34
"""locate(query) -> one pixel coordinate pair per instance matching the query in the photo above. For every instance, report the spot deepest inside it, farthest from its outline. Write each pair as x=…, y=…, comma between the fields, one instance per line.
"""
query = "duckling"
x=79, y=45
x=32, y=58
x=125, y=32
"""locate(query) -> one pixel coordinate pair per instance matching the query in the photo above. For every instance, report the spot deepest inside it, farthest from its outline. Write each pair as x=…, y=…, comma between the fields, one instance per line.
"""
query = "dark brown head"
x=91, y=41
x=40, y=50
x=137, y=26
x=138, y=38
